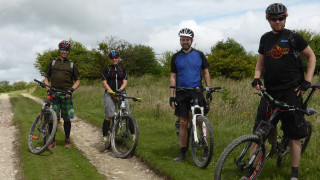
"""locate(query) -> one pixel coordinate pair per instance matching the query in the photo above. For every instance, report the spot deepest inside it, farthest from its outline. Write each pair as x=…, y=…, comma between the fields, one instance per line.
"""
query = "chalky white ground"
x=87, y=138
x=8, y=157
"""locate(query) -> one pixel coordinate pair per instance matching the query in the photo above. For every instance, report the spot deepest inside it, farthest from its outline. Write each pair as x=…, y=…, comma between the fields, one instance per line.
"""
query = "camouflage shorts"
x=63, y=105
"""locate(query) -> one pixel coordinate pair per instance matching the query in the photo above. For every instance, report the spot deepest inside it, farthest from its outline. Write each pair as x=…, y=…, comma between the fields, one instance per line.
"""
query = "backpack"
x=71, y=65
x=296, y=54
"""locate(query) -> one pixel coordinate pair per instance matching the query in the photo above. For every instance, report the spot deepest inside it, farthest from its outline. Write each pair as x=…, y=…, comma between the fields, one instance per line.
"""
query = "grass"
x=60, y=163
x=232, y=114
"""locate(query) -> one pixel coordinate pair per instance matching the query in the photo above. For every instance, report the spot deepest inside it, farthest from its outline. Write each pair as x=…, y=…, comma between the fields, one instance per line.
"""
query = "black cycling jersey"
x=281, y=69
x=114, y=75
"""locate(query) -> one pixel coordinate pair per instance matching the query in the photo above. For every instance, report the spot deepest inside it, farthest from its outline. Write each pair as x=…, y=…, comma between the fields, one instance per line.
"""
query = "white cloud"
x=29, y=27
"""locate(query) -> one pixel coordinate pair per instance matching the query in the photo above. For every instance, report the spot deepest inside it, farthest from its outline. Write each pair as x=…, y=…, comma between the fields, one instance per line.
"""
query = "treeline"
x=226, y=58
x=20, y=85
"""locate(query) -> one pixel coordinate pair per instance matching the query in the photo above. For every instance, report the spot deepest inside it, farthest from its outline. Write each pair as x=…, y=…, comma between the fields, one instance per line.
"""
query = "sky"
x=29, y=27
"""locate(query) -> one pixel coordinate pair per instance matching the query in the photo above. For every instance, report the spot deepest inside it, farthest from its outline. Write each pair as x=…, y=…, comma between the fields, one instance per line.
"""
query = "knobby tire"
x=203, y=150
x=39, y=137
x=226, y=167
x=124, y=139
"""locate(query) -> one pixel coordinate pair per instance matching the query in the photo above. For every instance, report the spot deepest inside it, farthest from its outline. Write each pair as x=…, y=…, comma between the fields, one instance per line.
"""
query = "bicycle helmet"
x=64, y=44
x=186, y=32
x=276, y=9
x=113, y=53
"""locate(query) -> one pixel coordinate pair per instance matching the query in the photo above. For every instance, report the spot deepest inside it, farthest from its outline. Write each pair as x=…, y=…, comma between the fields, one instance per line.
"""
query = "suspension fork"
x=194, y=122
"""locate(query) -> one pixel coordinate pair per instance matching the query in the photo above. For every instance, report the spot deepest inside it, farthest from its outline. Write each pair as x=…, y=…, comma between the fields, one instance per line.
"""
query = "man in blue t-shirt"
x=186, y=66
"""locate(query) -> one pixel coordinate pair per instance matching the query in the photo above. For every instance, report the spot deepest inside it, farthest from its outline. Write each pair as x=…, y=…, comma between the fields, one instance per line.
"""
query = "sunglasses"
x=64, y=49
x=114, y=57
x=277, y=19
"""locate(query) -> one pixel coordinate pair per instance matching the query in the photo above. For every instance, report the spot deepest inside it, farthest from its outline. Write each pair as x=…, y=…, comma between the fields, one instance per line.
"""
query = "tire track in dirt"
x=87, y=138
x=9, y=161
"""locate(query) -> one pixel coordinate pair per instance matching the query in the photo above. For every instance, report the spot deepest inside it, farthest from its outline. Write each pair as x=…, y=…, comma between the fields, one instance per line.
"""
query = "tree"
x=313, y=39
x=229, y=59
x=166, y=62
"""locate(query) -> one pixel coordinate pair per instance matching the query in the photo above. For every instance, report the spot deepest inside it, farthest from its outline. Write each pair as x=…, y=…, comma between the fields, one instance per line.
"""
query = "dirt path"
x=87, y=138
x=8, y=157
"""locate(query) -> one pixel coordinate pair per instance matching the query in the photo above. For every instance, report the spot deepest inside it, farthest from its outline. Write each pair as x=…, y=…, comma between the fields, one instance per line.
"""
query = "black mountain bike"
x=200, y=133
x=236, y=161
x=39, y=136
x=125, y=130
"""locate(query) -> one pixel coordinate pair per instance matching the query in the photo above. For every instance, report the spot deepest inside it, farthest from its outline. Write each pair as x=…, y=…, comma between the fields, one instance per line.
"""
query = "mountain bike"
x=39, y=136
x=236, y=160
x=200, y=135
x=125, y=130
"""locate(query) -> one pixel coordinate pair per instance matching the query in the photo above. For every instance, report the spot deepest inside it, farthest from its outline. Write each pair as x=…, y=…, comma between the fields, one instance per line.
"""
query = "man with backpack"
x=64, y=76
x=282, y=69
x=114, y=79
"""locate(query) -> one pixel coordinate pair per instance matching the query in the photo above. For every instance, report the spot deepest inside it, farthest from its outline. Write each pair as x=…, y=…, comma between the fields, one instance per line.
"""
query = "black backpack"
x=296, y=54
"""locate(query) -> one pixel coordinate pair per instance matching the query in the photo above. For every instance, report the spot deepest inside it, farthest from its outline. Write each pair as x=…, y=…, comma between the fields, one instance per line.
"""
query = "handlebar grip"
x=111, y=92
x=37, y=81
x=139, y=99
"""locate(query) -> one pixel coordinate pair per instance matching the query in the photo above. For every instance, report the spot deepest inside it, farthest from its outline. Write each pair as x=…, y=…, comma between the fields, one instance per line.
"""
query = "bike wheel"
x=39, y=136
x=203, y=149
x=305, y=141
x=124, y=136
x=236, y=161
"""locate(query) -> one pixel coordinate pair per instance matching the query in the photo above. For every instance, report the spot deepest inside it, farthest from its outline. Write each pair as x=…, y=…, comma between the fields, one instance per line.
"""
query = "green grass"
x=59, y=163
x=232, y=114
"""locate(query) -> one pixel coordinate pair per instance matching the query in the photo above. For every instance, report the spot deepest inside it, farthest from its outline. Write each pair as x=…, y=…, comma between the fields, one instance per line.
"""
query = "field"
x=232, y=114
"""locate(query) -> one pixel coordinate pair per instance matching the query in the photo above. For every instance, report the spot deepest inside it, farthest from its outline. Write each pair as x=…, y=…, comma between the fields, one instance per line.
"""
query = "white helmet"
x=186, y=32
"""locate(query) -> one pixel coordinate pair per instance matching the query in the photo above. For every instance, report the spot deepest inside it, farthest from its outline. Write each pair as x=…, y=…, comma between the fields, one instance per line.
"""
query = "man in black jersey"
x=283, y=77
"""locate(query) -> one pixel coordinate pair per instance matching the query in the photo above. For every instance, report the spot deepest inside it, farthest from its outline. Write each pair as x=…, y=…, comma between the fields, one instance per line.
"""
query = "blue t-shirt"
x=188, y=68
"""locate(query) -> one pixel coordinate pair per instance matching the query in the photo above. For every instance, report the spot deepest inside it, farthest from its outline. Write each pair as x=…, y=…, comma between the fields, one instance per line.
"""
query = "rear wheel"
x=236, y=161
x=124, y=136
x=39, y=136
x=203, y=149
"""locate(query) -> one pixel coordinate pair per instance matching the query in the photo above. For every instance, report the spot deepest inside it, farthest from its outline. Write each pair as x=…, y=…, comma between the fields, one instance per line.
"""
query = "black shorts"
x=293, y=122
x=184, y=101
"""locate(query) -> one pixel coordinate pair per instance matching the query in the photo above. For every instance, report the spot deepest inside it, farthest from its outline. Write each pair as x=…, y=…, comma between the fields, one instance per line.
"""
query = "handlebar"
x=286, y=107
x=211, y=90
x=43, y=85
x=119, y=94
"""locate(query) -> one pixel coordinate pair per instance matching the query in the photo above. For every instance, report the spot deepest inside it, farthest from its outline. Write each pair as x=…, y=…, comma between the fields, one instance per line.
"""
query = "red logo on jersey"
x=276, y=52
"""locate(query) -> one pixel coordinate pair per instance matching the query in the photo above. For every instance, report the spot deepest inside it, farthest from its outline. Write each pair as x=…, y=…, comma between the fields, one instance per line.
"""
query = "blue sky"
x=29, y=27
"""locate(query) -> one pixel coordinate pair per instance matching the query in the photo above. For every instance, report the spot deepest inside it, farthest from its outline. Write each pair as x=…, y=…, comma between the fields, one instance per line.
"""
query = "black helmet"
x=113, y=53
x=186, y=32
x=276, y=9
x=64, y=44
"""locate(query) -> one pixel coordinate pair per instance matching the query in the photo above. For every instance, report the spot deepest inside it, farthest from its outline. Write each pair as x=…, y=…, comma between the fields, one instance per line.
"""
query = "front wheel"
x=124, y=136
x=39, y=136
x=203, y=149
x=236, y=161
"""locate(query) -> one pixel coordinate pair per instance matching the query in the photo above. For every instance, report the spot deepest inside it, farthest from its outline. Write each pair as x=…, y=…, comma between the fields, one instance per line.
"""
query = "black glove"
x=209, y=96
x=255, y=82
x=172, y=100
x=119, y=91
x=50, y=92
x=305, y=85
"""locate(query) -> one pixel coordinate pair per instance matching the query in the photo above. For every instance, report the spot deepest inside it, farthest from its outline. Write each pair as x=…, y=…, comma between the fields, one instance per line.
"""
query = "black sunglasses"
x=276, y=19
